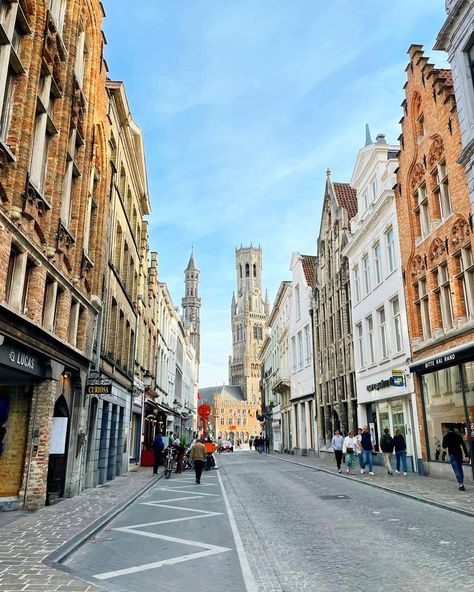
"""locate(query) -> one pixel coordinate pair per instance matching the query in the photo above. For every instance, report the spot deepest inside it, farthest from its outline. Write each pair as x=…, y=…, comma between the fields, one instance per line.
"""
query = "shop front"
x=154, y=423
x=387, y=400
x=447, y=397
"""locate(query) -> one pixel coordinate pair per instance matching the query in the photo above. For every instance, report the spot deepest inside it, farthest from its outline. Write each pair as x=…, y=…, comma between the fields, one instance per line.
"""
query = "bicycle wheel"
x=168, y=470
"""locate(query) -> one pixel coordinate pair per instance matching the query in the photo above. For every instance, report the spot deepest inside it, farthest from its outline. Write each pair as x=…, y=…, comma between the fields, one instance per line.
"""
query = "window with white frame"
x=300, y=349
x=397, y=324
x=378, y=263
x=370, y=335
x=465, y=275
x=373, y=188
x=307, y=340
x=391, y=258
x=442, y=190
x=13, y=25
x=443, y=296
x=422, y=210
x=383, y=332
x=44, y=130
x=18, y=279
x=297, y=302
x=422, y=305
x=360, y=344
x=57, y=9
x=366, y=268
x=293, y=352
x=80, y=58
x=356, y=283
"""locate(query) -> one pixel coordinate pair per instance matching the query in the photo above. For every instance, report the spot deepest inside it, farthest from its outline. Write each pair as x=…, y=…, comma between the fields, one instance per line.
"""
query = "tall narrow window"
x=370, y=334
x=442, y=190
x=300, y=349
x=80, y=52
x=297, y=302
x=254, y=270
x=378, y=263
x=43, y=132
x=293, y=352
x=18, y=277
x=247, y=270
x=465, y=275
x=360, y=344
x=356, y=283
x=422, y=211
x=470, y=59
x=307, y=339
x=391, y=259
x=50, y=304
x=57, y=9
x=443, y=295
x=366, y=267
x=383, y=332
x=397, y=324
x=422, y=305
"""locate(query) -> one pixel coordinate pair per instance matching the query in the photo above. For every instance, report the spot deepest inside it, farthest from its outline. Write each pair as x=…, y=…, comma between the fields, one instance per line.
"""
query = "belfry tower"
x=249, y=314
x=191, y=304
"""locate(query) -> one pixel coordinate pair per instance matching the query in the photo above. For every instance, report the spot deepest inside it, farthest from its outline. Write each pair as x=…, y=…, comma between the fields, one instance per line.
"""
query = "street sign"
x=99, y=387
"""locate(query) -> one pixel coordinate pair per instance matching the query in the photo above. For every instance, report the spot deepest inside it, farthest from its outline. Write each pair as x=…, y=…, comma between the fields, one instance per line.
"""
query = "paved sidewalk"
x=27, y=540
x=434, y=490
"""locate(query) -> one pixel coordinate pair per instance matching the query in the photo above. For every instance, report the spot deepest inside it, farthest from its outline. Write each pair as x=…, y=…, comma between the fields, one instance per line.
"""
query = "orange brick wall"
x=429, y=92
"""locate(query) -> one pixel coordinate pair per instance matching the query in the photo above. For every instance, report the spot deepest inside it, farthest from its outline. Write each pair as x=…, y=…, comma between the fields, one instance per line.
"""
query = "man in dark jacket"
x=455, y=444
x=367, y=447
x=157, y=448
x=386, y=445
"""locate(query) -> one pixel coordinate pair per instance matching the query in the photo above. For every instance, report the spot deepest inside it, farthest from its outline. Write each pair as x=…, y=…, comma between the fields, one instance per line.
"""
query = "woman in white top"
x=349, y=449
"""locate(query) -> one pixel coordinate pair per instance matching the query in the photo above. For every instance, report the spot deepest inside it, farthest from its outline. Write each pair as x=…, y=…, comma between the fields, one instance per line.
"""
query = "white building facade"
x=302, y=395
x=457, y=39
x=385, y=390
x=274, y=360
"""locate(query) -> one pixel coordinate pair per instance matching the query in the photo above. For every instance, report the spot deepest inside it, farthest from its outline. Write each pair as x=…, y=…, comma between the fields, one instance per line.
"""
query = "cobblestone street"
x=298, y=529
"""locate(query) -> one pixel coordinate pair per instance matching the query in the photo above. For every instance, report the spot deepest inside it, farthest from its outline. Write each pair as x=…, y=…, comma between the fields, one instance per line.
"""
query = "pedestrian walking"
x=267, y=444
x=250, y=443
x=455, y=444
x=261, y=445
x=337, y=443
x=157, y=447
x=198, y=455
x=358, y=449
x=349, y=448
x=400, y=451
x=367, y=445
x=386, y=445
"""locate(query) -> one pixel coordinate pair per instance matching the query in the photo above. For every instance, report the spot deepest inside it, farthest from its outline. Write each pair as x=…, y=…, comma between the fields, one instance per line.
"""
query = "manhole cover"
x=334, y=497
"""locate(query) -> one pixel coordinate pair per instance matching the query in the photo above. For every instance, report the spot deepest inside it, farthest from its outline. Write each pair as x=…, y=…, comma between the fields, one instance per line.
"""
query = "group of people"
x=260, y=444
x=362, y=445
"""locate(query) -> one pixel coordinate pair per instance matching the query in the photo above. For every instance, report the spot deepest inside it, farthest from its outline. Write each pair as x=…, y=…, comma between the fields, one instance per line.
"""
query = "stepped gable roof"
x=346, y=197
x=228, y=393
x=309, y=268
x=444, y=73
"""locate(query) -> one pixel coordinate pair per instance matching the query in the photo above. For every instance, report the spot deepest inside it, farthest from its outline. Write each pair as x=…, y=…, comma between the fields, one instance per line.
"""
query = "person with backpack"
x=458, y=454
x=386, y=445
x=367, y=446
x=157, y=447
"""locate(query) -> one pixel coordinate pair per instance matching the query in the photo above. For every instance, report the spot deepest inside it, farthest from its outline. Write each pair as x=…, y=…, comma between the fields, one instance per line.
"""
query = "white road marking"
x=249, y=580
x=134, y=529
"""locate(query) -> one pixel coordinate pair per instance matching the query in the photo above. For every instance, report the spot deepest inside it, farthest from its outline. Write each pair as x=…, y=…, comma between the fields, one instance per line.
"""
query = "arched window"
x=254, y=270
x=240, y=270
x=247, y=270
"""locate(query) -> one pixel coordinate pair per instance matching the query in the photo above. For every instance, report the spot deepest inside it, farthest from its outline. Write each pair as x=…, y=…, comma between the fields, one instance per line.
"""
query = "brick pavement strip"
x=436, y=491
x=28, y=541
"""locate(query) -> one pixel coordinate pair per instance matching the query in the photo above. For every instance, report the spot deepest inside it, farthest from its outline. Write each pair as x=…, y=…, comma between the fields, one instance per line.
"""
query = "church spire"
x=368, y=139
x=192, y=263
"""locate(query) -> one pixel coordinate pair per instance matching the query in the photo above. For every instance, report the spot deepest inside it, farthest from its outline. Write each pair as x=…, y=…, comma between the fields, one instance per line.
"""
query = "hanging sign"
x=99, y=387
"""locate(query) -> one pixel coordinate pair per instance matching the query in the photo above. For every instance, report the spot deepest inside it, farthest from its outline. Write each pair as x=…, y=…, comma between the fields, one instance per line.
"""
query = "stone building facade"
x=249, y=312
x=53, y=152
x=435, y=218
x=334, y=359
x=456, y=38
x=191, y=305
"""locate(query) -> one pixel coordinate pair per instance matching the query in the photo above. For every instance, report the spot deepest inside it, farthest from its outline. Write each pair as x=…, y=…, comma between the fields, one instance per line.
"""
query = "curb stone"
x=423, y=500
x=57, y=557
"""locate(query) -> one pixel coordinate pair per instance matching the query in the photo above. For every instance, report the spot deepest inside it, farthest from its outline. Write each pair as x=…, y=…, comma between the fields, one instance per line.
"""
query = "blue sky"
x=244, y=104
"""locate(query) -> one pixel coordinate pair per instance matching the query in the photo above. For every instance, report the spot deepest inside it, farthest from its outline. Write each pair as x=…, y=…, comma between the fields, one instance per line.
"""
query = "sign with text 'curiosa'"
x=98, y=387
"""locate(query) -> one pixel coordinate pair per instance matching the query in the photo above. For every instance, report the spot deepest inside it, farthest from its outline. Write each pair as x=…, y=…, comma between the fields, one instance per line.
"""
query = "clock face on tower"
x=255, y=291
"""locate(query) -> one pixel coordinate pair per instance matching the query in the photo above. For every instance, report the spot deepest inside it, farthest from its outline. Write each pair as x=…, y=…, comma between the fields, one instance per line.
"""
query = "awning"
x=449, y=357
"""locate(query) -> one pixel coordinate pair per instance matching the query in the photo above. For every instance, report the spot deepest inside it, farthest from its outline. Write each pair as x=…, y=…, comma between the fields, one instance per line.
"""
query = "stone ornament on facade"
x=436, y=151
x=417, y=176
x=437, y=249
x=460, y=231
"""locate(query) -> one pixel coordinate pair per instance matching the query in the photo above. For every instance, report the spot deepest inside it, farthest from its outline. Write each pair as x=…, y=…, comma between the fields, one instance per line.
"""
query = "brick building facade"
x=435, y=219
x=53, y=170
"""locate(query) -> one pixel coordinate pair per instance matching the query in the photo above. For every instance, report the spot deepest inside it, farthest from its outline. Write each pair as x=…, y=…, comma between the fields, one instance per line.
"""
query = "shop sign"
x=21, y=360
x=397, y=379
x=99, y=387
x=440, y=362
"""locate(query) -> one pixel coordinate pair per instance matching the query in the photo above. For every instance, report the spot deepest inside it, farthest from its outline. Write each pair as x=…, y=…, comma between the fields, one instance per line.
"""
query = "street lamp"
x=147, y=379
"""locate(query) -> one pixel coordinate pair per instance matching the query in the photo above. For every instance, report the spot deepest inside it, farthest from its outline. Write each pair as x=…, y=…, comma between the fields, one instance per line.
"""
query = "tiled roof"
x=346, y=197
x=309, y=267
x=444, y=73
x=228, y=392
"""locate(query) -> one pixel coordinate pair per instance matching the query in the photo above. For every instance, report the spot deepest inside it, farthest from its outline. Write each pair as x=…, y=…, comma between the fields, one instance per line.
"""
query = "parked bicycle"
x=169, y=462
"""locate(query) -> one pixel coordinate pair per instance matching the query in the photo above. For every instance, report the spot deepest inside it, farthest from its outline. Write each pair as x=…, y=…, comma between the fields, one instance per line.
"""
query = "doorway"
x=57, y=462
